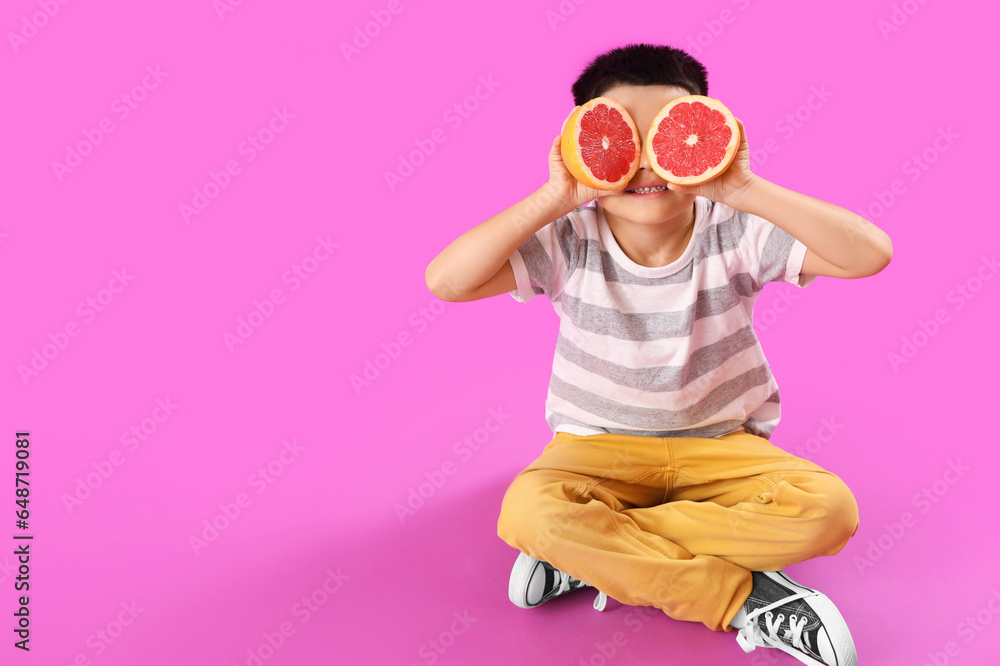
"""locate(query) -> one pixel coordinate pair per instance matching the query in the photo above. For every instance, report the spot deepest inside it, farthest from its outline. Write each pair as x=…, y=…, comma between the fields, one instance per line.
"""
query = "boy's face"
x=643, y=103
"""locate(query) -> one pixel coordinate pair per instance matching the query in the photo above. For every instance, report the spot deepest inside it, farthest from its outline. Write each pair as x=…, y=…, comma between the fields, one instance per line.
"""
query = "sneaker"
x=797, y=620
x=533, y=582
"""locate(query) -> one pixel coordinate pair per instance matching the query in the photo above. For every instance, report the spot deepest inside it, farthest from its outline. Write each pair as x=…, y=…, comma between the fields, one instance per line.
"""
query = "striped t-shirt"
x=668, y=351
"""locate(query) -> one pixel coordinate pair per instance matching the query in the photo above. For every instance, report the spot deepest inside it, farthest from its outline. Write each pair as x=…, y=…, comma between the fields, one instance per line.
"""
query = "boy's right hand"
x=563, y=185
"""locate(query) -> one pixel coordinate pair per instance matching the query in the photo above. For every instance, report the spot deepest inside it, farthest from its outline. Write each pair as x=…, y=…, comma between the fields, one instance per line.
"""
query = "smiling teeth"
x=647, y=190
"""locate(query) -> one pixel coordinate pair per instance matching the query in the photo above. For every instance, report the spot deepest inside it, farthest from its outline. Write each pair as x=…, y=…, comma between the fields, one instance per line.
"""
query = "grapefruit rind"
x=712, y=172
x=571, y=151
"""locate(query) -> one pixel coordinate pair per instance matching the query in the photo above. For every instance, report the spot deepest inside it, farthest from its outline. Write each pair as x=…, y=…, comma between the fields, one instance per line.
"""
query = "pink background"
x=907, y=591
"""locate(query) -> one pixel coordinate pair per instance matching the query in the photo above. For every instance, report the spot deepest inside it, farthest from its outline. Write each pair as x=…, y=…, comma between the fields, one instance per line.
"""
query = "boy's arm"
x=839, y=243
x=476, y=264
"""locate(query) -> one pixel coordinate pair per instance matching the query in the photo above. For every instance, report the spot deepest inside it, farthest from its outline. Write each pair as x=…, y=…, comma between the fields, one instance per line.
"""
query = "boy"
x=660, y=486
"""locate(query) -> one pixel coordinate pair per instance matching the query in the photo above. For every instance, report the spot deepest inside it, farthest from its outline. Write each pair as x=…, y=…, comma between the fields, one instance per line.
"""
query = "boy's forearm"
x=835, y=234
x=476, y=256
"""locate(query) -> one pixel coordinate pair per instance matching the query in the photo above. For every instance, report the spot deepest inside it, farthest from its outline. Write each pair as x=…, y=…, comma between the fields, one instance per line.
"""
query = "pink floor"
x=218, y=335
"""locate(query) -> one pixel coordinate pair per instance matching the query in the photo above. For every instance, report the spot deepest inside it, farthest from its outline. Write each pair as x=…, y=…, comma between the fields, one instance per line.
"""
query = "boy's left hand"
x=729, y=186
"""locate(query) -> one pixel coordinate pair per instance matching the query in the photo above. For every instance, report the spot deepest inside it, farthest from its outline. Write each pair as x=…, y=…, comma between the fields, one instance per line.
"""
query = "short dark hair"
x=640, y=65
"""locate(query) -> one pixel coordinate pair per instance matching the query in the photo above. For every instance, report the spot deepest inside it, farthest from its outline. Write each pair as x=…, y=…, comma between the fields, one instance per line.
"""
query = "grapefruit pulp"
x=692, y=140
x=600, y=144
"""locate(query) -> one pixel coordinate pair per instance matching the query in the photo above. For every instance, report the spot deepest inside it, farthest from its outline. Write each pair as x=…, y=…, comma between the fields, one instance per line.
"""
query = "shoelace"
x=750, y=636
x=600, y=602
x=564, y=582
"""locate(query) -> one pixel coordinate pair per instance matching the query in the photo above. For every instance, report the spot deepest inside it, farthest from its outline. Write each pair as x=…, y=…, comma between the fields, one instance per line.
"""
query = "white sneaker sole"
x=519, y=577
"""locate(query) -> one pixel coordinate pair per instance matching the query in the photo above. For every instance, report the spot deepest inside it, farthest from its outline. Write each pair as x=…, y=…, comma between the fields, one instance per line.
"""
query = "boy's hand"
x=563, y=185
x=729, y=186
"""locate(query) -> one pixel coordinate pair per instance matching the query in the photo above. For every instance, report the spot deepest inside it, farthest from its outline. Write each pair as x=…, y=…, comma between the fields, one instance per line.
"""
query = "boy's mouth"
x=647, y=190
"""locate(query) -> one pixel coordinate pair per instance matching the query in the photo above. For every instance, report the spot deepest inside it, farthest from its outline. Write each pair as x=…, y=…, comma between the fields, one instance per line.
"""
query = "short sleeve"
x=771, y=253
x=545, y=260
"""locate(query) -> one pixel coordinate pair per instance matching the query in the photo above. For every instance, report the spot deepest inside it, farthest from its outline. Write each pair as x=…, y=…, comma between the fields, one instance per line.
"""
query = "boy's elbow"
x=888, y=260
x=886, y=255
x=431, y=280
x=879, y=259
x=438, y=285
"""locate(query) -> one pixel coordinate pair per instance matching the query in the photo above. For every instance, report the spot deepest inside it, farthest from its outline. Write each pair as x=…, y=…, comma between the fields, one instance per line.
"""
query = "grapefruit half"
x=692, y=140
x=600, y=144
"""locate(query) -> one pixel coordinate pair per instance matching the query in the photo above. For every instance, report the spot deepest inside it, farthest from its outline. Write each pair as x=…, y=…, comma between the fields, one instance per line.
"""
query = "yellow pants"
x=677, y=523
